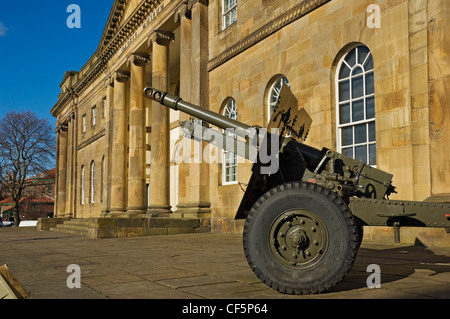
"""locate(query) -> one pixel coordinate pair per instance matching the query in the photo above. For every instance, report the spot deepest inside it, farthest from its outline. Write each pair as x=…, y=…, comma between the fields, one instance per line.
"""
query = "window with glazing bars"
x=356, y=136
x=274, y=94
x=230, y=161
x=92, y=182
x=229, y=13
x=83, y=181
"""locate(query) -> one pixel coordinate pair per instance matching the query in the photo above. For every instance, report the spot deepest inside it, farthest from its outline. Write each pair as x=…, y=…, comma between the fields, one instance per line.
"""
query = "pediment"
x=116, y=18
x=120, y=16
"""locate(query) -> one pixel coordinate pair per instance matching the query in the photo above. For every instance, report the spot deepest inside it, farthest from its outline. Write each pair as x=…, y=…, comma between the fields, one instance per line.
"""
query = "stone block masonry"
x=98, y=228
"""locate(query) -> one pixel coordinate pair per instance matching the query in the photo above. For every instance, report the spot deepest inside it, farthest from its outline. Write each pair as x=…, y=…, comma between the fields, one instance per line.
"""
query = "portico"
x=115, y=148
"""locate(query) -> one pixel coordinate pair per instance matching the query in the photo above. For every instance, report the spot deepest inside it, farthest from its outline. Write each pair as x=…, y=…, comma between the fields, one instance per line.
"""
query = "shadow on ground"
x=402, y=264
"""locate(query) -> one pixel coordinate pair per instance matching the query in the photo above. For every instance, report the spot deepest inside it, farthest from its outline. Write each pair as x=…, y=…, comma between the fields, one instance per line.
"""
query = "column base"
x=197, y=210
x=130, y=212
x=136, y=212
x=116, y=213
x=105, y=213
x=159, y=211
x=65, y=215
x=96, y=228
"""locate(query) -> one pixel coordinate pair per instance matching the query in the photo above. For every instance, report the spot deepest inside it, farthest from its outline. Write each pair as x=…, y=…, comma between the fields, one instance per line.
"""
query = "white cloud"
x=3, y=29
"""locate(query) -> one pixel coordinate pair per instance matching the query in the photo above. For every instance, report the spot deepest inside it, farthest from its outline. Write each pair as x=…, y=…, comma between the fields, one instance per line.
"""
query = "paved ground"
x=200, y=266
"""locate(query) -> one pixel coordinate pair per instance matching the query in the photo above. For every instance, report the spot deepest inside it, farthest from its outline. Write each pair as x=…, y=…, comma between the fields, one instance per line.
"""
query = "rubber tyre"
x=337, y=222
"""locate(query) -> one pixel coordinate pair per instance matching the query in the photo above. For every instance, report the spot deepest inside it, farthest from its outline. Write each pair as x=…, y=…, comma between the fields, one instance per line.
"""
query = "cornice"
x=273, y=26
x=68, y=96
x=114, y=37
x=122, y=34
x=114, y=21
x=89, y=78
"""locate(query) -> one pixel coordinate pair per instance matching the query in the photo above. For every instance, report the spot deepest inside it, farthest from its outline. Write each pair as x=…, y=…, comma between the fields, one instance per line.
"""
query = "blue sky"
x=37, y=47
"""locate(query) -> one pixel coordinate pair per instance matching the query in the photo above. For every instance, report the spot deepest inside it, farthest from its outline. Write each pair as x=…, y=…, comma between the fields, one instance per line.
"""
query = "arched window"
x=92, y=182
x=83, y=181
x=273, y=93
x=230, y=163
x=356, y=105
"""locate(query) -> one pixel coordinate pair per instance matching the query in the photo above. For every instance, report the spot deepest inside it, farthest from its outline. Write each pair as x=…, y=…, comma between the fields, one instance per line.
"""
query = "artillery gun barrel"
x=176, y=103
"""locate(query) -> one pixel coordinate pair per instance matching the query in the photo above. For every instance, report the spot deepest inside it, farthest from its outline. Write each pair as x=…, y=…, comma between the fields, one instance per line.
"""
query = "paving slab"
x=200, y=266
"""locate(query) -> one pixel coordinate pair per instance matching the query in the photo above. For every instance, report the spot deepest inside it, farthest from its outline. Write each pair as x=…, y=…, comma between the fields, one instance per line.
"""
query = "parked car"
x=6, y=224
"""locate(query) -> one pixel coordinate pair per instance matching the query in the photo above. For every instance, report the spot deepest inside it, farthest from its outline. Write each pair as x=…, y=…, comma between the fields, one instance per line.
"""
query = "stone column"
x=62, y=170
x=76, y=168
x=160, y=139
x=148, y=110
x=69, y=167
x=196, y=202
x=137, y=144
x=439, y=98
x=106, y=204
x=118, y=147
x=183, y=16
x=56, y=206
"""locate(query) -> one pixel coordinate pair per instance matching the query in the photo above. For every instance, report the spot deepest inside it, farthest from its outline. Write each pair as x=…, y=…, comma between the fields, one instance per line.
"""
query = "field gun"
x=305, y=208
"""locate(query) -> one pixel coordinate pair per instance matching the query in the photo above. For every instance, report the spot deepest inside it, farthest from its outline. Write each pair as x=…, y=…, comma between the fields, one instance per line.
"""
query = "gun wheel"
x=300, y=238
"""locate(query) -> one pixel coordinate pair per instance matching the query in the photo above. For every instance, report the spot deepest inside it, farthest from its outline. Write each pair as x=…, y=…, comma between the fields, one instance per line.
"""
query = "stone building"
x=37, y=201
x=373, y=74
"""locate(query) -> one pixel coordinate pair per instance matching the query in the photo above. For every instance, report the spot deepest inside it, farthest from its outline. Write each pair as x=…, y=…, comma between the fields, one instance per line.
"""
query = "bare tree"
x=27, y=147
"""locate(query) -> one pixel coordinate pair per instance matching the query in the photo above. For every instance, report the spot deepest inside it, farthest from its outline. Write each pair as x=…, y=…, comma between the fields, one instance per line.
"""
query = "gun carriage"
x=305, y=208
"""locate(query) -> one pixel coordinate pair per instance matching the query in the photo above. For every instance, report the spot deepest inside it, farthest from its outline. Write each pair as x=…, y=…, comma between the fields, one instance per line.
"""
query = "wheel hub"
x=298, y=239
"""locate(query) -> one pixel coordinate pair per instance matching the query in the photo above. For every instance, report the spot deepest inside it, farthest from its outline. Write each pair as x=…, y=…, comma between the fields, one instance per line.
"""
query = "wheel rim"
x=298, y=239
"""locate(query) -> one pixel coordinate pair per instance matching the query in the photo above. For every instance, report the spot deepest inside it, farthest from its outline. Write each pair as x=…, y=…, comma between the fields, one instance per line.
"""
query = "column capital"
x=182, y=10
x=61, y=127
x=70, y=117
x=119, y=76
x=161, y=37
x=138, y=59
x=192, y=3
x=107, y=81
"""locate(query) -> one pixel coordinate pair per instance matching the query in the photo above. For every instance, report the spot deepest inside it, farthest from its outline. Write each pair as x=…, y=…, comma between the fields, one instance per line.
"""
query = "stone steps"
x=96, y=228
x=79, y=227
